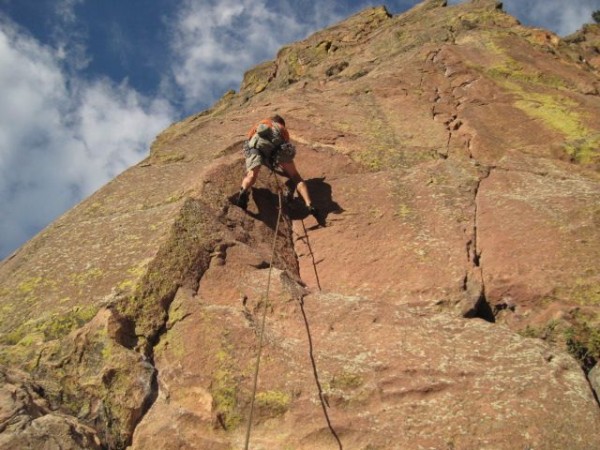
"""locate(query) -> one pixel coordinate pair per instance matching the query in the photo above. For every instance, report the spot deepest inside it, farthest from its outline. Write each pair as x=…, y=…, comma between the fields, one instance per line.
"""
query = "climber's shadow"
x=322, y=196
x=267, y=202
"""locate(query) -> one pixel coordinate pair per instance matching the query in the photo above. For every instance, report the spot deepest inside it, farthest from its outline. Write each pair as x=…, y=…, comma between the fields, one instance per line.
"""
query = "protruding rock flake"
x=452, y=300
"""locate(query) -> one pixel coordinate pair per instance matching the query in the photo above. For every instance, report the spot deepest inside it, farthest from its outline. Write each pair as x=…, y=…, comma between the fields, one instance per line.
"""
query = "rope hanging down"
x=264, y=317
x=322, y=399
x=312, y=255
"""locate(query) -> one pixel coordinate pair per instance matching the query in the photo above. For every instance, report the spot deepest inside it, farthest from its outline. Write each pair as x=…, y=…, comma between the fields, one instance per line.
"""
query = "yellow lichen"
x=224, y=390
x=403, y=211
x=511, y=70
x=169, y=158
x=557, y=112
x=582, y=292
x=83, y=278
x=274, y=403
x=347, y=380
x=547, y=101
x=584, y=150
x=29, y=285
x=53, y=327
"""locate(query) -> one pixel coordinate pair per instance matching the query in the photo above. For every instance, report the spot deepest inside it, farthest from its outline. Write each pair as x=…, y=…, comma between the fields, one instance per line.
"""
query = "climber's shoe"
x=242, y=200
x=317, y=215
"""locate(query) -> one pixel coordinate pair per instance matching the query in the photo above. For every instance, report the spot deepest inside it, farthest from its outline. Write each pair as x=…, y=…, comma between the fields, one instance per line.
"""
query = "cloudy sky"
x=85, y=85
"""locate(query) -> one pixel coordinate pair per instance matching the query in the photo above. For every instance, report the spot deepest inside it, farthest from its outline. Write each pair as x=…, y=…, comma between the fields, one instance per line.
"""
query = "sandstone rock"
x=26, y=421
x=394, y=377
x=594, y=377
x=455, y=155
x=585, y=42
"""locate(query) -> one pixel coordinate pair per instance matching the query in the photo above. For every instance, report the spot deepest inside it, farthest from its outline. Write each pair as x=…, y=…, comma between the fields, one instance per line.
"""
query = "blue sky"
x=87, y=84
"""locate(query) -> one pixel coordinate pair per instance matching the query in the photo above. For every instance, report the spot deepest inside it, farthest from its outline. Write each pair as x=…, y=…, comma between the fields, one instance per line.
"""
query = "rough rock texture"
x=451, y=302
x=594, y=377
x=26, y=421
x=587, y=42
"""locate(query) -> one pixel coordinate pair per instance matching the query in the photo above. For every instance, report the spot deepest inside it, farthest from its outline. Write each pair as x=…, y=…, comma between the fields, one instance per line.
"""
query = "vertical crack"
x=473, y=282
x=179, y=264
x=481, y=309
x=469, y=150
x=448, y=144
x=472, y=246
x=594, y=392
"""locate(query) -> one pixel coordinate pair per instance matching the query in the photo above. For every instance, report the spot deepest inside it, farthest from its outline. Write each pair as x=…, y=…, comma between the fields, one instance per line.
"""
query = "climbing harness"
x=322, y=398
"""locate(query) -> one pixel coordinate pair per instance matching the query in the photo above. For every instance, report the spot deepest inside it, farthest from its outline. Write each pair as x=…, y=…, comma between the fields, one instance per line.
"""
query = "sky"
x=86, y=85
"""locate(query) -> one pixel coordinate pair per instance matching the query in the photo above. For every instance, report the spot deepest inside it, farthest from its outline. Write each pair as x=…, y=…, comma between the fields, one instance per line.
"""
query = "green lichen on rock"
x=29, y=285
x=84, y=277
x=182, y=259
x=84, y=357
x=384, y=149
x=561, y=114
x=258, y=78
x=582, y=292
x=545, y=97
x=31, y=289
x=557, y=112
x=584, y=150
x=60, y=325
x=296, y=61
x=486, y=14
x=583, y=343
x=133, y=277
x=225, y=390
x=294, y=64
x=273, y=403
x=508, y=70
x=347, y=381
x=56, y=326
x=347, y=387
x=578, y=333
x=165, y=158
x=93, y=376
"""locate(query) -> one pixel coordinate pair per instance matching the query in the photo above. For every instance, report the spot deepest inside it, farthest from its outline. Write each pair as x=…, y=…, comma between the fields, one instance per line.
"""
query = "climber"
x=269, y=144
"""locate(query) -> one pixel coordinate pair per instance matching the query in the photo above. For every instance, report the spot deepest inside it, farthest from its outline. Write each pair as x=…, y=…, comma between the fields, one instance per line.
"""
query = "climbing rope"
x=264, y=317
x=312, y=255
x=322, y=398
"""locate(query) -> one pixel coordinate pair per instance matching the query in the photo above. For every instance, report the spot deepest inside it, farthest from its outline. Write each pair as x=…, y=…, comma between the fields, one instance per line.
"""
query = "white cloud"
x=61, y=137
x=69, y=35
x=65, y=9
x=558, y=15
x=216, y=41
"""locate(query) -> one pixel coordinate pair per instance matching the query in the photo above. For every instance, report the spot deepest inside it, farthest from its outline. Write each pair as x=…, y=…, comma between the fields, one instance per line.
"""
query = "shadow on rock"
x=267, y=202
x=322, y=197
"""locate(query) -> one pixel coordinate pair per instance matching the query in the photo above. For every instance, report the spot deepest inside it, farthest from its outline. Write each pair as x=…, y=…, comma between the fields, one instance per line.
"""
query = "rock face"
x=451, y=302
